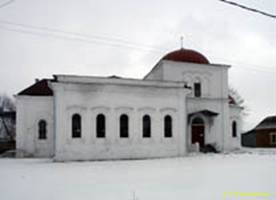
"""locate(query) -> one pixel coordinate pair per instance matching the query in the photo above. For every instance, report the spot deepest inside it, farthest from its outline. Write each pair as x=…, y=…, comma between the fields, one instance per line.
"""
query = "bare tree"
x=7, y=117
x=239, y=101
x=6, y=103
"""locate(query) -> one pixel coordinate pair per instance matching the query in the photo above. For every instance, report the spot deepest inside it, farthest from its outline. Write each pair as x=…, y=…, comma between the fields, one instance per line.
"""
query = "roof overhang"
x=207, y=113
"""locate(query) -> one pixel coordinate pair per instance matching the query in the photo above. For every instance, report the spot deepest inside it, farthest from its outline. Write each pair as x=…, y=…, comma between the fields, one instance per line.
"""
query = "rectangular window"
x=100, y=126
x=272, y=138
x=168, y=126
x=197, y=89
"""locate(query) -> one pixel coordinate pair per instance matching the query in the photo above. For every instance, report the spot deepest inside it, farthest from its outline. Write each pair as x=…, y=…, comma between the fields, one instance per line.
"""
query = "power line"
x=7, y=3
x=240, y=64
x=247, y=68
x=252, y=66
x=51, y=35
x=87, y=36
x=248, y=8
x=42, y=31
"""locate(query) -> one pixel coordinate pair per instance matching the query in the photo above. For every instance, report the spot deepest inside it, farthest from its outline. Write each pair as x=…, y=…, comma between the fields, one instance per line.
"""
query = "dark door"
x=198, y=133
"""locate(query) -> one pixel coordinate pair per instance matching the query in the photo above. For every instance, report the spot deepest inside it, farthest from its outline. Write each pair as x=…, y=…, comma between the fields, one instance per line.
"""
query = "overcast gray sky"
x=127, y=38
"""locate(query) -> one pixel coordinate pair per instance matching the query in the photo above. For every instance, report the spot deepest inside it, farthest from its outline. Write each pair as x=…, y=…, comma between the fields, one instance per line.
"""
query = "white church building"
x=180, y=106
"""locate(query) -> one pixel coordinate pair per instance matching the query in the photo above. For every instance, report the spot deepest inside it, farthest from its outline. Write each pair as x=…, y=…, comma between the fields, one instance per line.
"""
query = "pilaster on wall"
x=59, y=124
x=225, y=110
x=182, y=144
x=225, y=125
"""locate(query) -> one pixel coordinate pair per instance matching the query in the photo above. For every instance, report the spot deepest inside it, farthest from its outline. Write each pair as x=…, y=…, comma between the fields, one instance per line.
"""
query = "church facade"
x=181, y=105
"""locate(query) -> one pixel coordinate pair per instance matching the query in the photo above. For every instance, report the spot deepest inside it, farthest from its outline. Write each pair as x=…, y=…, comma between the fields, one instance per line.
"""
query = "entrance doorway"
x=198, y=131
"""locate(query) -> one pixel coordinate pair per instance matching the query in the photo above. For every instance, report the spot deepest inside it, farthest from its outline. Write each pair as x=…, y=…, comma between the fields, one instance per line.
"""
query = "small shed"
x=263, y=135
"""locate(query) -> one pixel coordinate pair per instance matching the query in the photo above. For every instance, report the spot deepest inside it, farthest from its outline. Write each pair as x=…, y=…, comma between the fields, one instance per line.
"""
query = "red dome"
x=186, y=55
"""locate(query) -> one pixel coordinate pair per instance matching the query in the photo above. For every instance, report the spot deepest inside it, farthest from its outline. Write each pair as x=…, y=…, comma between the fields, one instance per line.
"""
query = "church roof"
x=186, y=55
x=39, y=88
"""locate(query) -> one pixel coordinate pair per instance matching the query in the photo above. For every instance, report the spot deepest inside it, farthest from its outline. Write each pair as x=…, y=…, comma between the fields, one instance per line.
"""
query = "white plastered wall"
x=214, y=97
x=113, y=100
x=29, y=111
x=234, y=143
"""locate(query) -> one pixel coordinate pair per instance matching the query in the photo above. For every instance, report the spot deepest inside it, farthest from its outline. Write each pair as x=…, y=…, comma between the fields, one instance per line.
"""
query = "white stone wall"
x=235, y=115
x=214, y=78
x=29, y=110
x=214, y=126
x=214, y=96
x=157, y=72
x=112, y=100
x=161, y=93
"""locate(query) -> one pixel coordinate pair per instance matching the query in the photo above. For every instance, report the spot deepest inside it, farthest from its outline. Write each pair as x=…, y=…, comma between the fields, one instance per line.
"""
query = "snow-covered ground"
x=196, y=177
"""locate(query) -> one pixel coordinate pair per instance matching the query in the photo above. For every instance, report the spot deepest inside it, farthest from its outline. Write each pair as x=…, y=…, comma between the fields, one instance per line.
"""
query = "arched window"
x=197, y=89
x=234, y=129
x=146, y=126
x=76, y=126
x=42, y=129
x=168, y=126
x=100, y=126
x=123, y=126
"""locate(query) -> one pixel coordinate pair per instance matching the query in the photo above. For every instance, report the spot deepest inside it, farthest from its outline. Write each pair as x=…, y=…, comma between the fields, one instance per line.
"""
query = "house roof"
x=39, y=88
x=267, y=123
